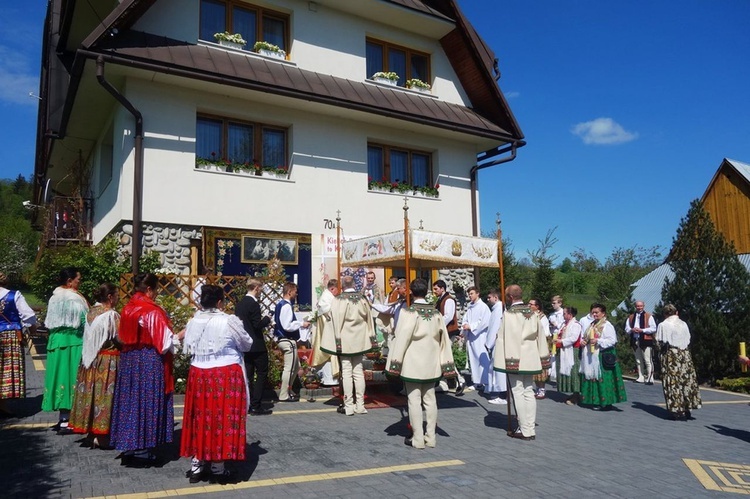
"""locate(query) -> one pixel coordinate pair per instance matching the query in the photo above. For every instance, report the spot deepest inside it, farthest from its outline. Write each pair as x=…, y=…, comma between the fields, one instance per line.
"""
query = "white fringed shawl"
x=104, y=327
x=66, y=308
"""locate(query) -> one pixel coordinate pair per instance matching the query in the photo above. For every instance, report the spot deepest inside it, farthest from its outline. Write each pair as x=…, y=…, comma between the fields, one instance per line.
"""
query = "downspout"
x=474, y=182
x=138, y=173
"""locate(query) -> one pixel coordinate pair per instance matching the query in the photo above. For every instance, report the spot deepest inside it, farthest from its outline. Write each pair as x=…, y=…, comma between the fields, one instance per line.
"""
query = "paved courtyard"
x=308, y=450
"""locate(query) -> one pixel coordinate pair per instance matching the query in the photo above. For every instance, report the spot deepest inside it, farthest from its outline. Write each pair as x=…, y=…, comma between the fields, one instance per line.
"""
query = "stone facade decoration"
x=172, y=242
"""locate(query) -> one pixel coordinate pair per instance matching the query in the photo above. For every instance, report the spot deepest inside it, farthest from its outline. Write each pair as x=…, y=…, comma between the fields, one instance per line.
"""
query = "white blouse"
x=216, y=339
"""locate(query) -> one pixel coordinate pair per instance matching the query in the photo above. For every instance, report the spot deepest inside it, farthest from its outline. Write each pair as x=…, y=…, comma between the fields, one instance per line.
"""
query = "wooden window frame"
x=260, y=12
x=409, y=52
x=387, y=161
x=258, y=128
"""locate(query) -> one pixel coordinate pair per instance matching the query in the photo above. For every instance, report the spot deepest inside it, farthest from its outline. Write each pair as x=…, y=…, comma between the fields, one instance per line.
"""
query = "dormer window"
x=255, y=24
x=406, y=63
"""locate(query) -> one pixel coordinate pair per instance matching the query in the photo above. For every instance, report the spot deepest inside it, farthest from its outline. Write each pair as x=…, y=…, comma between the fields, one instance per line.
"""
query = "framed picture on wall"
x=257, y=249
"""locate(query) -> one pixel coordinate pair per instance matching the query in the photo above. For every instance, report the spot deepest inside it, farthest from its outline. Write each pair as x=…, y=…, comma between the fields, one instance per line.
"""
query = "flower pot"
x=378, y=367
x=385, y=81
x=232, y=45
x=421, y=90
x=271, y=53
x=312, y=386
x=268, y=174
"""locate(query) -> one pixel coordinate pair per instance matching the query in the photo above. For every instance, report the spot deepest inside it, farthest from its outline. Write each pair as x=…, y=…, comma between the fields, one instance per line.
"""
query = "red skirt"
x=213, y=426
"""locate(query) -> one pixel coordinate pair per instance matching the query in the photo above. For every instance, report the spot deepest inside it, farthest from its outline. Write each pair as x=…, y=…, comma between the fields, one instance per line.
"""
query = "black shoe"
x=407, y=441
x=460, y=390
x=139, y=461
x=517, y=434
x=197, y=476
x=260, y=412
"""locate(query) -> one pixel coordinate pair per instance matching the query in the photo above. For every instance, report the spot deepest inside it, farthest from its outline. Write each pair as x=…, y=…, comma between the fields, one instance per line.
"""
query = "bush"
x=459, y=356
x=739, y=385
x=179, y=314
x=97, y=264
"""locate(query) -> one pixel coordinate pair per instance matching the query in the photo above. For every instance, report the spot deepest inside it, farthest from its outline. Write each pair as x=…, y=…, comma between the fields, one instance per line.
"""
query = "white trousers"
x=291, y=366
x=522, y=386
x=643, y=358
x=422, y=395
x=479, y=360
x=497, y=382
x=353, y=378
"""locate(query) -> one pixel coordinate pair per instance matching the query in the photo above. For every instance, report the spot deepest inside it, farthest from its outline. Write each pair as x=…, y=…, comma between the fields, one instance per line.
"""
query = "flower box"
x=271, y=53
x=421, y=90
x=386, y=81
x=232, y=45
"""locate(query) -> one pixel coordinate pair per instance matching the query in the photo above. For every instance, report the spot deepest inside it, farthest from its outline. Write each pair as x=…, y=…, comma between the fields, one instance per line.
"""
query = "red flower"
x=437, y=186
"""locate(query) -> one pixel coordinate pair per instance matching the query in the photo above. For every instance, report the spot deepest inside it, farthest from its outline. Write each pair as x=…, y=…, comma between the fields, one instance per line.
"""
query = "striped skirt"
x=142, y=414
x=213, y=428
x=12, y=369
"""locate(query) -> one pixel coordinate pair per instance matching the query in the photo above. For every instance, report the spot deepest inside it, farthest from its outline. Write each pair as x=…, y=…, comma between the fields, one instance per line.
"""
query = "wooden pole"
x=407, y=249
x=509, y=396
x=338, y=249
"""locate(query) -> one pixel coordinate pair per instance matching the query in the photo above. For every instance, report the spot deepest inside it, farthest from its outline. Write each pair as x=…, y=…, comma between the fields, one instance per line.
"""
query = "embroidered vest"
x=278, y=329
x=452, y=326
x=10, y=319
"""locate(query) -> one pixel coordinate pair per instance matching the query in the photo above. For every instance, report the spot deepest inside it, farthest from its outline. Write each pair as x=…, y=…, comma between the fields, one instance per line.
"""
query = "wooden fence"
x=185, y=288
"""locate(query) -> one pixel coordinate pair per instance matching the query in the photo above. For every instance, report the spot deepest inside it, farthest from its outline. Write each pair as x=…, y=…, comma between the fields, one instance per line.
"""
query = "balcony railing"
x=69, y=221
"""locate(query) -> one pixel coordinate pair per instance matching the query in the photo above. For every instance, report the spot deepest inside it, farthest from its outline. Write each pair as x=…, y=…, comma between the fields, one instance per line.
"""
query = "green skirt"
x=63, y=357
x=607, y=390
x=572, y=382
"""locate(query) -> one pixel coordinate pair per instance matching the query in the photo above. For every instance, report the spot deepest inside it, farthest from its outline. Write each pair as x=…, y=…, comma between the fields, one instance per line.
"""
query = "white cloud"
x=512, y=95
x=603, y=131
x=17, y=80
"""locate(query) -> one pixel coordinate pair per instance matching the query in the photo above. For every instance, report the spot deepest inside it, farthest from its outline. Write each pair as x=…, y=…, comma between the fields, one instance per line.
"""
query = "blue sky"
x=628, y=109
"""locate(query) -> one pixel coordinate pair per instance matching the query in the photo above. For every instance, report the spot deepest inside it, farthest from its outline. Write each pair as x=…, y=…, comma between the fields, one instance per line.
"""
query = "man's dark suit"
x=256, y=360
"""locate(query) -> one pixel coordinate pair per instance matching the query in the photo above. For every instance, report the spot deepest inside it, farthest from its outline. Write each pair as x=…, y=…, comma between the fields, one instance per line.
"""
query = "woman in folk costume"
x=678, y=374
x=95, y=388
x=15, y=314
x=143, y=412
x=540, y=379
x=217, y=397
x=66, y=318
x=568, y=364
x=602, y=383
x=421, y=356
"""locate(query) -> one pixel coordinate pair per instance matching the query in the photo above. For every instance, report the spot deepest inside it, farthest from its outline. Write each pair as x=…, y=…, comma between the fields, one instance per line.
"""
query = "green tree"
x=18, y=240
x=711, y=290
x=622, y=268
x=489, y=277
x=543, y=284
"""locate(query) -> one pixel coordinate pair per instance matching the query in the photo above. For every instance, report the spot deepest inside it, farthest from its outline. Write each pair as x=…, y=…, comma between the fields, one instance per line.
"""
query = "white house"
x=165, y=133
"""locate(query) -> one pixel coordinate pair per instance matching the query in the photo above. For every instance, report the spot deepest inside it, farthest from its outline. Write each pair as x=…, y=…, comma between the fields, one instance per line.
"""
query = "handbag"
x=609, y=359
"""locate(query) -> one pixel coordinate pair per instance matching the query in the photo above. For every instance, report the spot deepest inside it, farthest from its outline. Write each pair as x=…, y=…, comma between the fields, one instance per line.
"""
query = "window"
x=240, y=142
x=255, y=24
x=397, y=165
x=407, y=63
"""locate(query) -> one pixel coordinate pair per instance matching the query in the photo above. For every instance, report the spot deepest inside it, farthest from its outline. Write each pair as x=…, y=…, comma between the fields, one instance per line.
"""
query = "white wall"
x=325, y=41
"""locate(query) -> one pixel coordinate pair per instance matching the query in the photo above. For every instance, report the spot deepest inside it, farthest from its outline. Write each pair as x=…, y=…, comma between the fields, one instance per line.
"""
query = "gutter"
x=474, y=179
x=138, y=173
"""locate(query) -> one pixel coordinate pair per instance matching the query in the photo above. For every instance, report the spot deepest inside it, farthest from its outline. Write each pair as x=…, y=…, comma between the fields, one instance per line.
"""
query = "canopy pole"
x=338, y=248
x=407, y=248
x=500, y=256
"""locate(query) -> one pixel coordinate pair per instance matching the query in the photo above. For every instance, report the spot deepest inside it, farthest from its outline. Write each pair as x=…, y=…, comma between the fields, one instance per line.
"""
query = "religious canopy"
x=426, y=249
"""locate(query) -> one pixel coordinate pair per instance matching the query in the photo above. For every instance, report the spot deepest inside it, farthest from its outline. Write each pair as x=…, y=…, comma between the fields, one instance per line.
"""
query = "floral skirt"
x=213, y=428
x=142, y=414
x=679, y=382
x=92, y=402
x=607, y=390
x=569, y=383
x=12, y=369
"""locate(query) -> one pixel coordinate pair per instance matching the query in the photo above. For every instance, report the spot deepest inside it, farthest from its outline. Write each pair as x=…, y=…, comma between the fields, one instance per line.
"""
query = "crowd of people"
x=109, y=376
